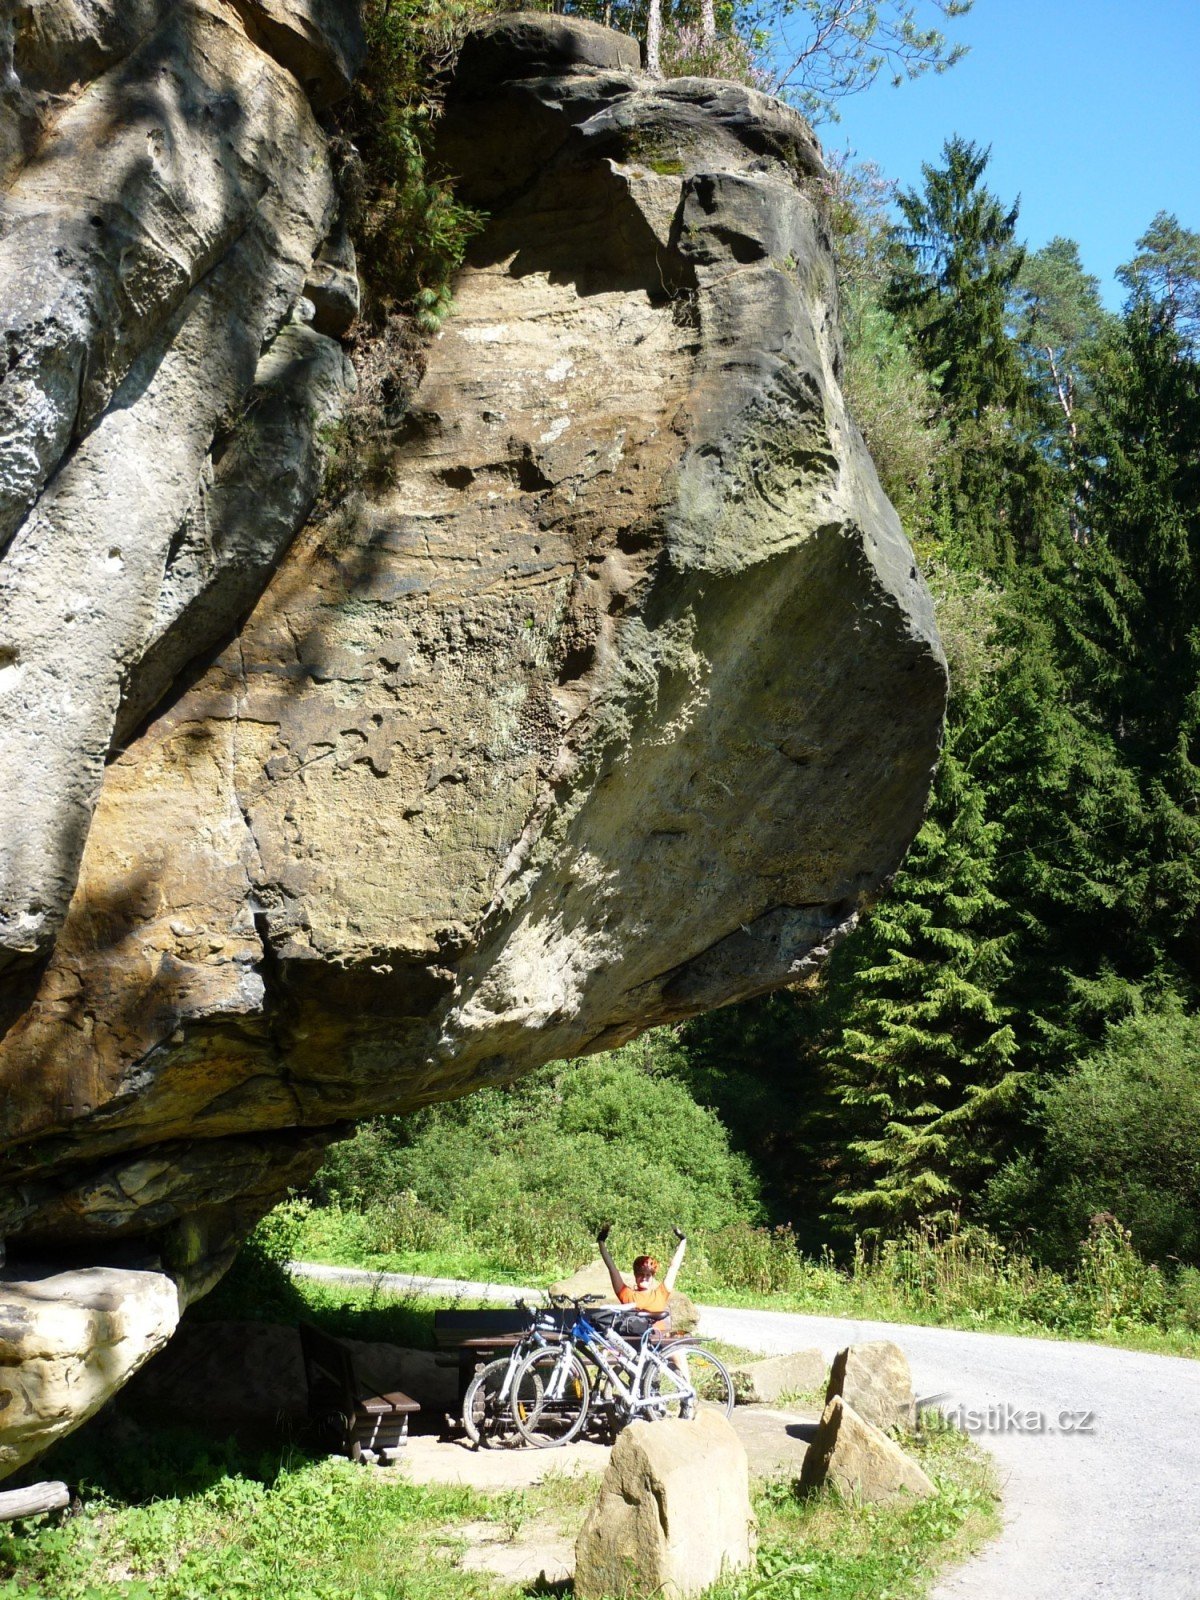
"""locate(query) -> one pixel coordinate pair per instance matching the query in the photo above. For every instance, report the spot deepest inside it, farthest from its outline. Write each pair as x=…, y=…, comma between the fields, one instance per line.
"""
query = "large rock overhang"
x=615, y=700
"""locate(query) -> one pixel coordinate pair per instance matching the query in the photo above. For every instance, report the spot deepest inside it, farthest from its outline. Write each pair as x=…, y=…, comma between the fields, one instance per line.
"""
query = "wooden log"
x=33, y=1501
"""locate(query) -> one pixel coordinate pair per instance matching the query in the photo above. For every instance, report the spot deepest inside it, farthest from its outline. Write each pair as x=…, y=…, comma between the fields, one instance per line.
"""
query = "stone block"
x=875, y=1379
x=69, y=1341
x=763, y=1382
x=858, y=1460
x=673, y=1515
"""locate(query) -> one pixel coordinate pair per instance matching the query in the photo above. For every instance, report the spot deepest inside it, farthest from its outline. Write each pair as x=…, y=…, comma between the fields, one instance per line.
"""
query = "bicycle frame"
x=604, y=1346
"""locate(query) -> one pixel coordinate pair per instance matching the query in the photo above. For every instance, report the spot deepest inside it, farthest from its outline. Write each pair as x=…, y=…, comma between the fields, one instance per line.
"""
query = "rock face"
x=613, y=700
x=67, y=1340
x=875, y=1379
x=673, y=1515
x=859, y=1461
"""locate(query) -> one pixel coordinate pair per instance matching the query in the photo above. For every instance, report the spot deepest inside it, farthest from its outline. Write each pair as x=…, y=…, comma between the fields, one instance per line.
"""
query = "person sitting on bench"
x=648, y=1295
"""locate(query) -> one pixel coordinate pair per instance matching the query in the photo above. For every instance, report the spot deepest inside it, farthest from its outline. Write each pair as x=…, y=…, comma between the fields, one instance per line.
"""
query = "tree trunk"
x=30, y=1502
x=708, y=22
x=654, y=39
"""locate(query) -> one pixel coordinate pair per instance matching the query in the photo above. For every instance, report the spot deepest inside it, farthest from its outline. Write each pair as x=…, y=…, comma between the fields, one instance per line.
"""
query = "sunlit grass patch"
x=821, y=1547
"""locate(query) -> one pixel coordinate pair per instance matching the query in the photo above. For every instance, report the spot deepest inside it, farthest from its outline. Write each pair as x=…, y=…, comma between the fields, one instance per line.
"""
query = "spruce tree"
x=956, y=260
x=921, y=1053
x=1132, y=612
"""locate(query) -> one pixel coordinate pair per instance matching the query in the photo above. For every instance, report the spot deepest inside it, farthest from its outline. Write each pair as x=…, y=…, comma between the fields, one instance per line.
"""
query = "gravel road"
x=1098, y=1449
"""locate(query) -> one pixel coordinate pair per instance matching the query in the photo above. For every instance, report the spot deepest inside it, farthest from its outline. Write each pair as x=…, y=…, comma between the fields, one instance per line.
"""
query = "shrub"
x=686, y=54
x=1120, y=1135
x=410, y=230
x=526, y=1174
x=761, y=1260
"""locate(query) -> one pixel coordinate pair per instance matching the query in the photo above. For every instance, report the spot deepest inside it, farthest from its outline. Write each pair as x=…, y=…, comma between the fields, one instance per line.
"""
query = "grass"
x=218, y=1523
x=821, y=1548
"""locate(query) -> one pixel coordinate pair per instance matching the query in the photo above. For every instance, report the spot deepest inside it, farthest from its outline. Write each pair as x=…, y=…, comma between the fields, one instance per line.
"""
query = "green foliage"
x=1129, y=617
x=410, y=230
x=922, y=1056
x=173, y=1515
x=822, y=1547
x=529, y=1173
x=1120, y=1135
x=686, y=53
x=760, y=1260
x=894, y=400
x=955, y=261
x=1057, y=319
x=1165, y=274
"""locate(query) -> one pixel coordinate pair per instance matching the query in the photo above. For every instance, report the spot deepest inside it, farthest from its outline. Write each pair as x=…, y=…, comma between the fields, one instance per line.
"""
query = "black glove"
x=680, y=1235
x=604, y=1233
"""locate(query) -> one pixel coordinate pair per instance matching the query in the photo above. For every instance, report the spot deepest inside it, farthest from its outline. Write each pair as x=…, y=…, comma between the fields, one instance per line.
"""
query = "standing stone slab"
x=874, y=1379
x=860, y=1462
x=673, y=1514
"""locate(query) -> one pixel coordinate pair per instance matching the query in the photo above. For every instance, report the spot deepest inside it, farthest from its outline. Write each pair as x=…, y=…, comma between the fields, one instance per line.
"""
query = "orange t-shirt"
x=652, y=1300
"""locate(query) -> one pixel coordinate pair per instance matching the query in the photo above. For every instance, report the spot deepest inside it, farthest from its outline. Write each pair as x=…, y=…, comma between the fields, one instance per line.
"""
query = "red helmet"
x=645, y=1267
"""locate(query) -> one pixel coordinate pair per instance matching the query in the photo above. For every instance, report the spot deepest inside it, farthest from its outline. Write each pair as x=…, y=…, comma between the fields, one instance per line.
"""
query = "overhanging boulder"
x=614, y=698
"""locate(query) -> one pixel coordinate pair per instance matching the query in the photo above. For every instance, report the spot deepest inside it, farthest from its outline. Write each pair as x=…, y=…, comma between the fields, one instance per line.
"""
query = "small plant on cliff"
x=410, y=229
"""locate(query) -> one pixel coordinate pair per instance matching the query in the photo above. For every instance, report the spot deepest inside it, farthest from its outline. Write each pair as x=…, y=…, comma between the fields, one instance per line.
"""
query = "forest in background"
x=1006, y=1050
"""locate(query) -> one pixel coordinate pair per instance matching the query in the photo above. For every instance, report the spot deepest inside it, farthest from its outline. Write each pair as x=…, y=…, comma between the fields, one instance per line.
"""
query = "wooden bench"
x=473, y=1338
x=362, y=1425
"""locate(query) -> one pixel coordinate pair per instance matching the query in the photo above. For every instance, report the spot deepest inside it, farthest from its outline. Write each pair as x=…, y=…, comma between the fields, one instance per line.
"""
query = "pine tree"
x=955, y=263
x=1133, y=608
x=921, y=1058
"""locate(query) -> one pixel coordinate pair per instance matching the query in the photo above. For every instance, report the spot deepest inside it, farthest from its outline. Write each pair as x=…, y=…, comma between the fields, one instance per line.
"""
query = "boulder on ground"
x=860, y=1462
x=763, y=1382
x=874, y=1379
x=673, y=1515
x=68, y=1341
x=594, y=1279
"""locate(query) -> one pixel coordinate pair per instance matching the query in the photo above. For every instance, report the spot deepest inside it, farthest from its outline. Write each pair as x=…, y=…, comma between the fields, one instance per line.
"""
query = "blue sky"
x=1091, y=107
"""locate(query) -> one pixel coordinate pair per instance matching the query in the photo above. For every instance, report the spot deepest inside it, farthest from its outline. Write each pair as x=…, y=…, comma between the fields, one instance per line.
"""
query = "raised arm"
x=618, y=1282
x=676, y=1259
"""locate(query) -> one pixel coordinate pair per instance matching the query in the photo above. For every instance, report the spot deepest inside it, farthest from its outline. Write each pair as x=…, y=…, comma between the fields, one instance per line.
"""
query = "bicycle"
x=486, y=1408
x=552, y=1389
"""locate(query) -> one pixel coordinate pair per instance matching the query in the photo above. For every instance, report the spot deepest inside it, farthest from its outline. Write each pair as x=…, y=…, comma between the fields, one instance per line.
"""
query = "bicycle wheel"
x=550, y=1396
x=684, y=1381
x=486, y=1420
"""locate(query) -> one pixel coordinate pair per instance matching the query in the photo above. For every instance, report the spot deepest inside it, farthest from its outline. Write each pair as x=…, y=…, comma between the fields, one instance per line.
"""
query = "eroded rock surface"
x=673, y=1515
x=615, y=698
x=859, y=1460
x=875, y=1379
x=67, y=1341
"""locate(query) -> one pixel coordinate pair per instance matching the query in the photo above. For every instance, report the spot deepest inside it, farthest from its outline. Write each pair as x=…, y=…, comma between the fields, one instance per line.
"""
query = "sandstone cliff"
x=613, y=701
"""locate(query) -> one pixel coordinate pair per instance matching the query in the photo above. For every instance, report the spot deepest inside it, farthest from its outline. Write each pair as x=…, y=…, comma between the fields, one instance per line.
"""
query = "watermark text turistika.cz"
x=1001, y=1417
